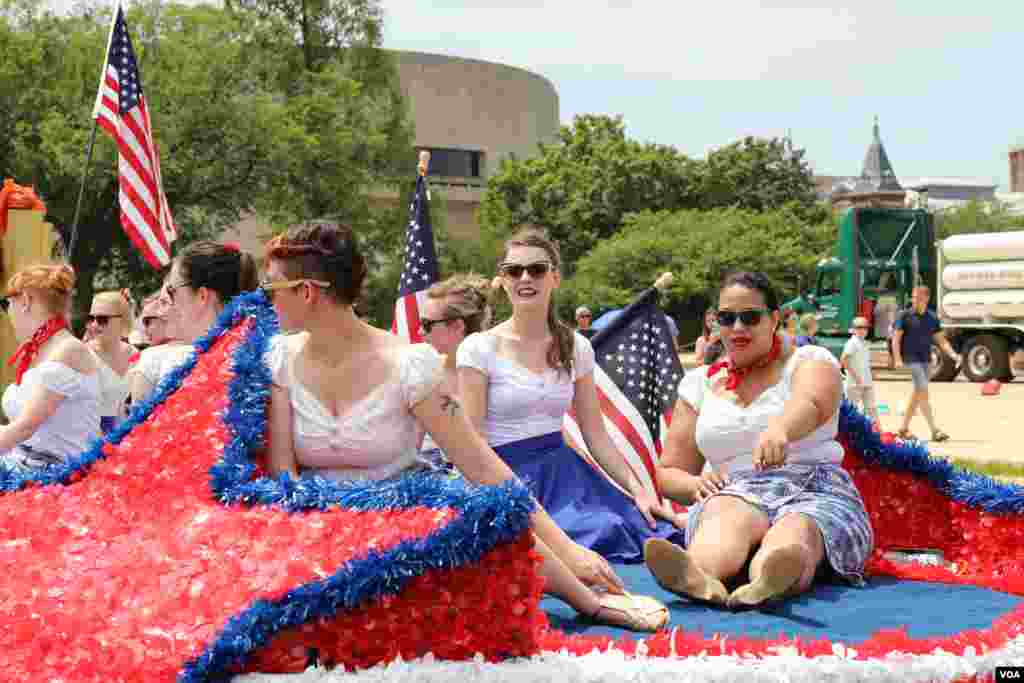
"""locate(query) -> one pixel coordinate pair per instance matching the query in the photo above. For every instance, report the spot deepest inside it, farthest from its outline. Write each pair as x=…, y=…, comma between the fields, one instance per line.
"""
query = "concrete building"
x=1017, y=169
x=471, y=115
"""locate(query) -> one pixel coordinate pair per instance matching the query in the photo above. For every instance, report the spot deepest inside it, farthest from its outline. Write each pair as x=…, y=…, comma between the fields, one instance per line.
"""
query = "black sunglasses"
x=535, y=270
x=5, y=303
x=749, y=318
x=426, y=324
x=100, y=320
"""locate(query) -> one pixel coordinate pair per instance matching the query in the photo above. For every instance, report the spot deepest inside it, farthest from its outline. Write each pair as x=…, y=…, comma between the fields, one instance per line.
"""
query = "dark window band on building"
x=458, y=163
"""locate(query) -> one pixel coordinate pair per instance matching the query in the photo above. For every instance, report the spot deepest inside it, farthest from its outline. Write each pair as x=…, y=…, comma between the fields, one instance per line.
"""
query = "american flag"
x=121, y=111
x=637, y=377
x=420, y=269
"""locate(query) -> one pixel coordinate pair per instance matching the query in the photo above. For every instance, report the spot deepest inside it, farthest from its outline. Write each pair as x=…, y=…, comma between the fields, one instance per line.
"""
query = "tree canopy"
x=242, y=125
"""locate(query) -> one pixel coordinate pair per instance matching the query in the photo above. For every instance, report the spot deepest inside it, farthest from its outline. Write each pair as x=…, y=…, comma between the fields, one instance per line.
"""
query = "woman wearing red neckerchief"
x=54, y=404
x=768, y=416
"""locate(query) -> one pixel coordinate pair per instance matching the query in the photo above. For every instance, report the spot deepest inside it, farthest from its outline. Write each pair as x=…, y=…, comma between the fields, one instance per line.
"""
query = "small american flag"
x=121, y=111
x=637, y=377
x=420, y=269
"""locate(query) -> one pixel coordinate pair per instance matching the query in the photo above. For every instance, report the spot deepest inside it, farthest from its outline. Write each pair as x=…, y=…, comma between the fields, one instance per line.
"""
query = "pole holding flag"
x=420, y=269
x=122, y=112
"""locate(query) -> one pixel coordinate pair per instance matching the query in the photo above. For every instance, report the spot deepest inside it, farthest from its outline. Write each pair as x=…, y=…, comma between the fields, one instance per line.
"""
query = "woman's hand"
x=770, y=450
x=593, y=570
x=709, y=483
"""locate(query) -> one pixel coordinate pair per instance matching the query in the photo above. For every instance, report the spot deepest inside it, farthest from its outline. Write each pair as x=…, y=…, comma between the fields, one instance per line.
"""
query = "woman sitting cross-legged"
x=350, y=401
x=54, y=403
x=767, y=416
x=520, y=378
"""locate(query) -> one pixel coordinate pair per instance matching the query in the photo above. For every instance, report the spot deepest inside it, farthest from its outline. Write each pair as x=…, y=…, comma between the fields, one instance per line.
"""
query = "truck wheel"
x=986, y=357
x=941, y=367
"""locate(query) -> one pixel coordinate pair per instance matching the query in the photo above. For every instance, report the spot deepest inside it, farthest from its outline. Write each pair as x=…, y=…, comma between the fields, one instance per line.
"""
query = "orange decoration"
x=14, y=196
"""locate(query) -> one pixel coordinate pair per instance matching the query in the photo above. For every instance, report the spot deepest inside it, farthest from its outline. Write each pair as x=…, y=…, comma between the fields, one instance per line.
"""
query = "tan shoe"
x=635, y=612
x=676, y=571
x=781, y=571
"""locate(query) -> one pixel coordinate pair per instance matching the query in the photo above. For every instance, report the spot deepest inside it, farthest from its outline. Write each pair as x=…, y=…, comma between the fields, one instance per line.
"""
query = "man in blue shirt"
x=916, y=330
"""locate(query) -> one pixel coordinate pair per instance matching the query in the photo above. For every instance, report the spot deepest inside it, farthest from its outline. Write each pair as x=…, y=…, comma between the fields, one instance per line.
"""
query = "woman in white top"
x=452, y=310
x=766, y=417
x=165, y=352
x=110, y=318
x=519, y=379
x=351, y=401
x=53, y=406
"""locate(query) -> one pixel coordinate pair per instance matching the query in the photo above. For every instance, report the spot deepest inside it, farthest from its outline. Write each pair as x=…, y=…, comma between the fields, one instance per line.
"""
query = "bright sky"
x=943, y=77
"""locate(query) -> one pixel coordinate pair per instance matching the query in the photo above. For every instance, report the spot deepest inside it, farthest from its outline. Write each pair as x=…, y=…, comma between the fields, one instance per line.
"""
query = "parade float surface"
x=163, y=553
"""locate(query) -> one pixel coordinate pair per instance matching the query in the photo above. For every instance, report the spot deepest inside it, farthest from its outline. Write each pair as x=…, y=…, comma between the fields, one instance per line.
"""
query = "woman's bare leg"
x=786, y=562
x=563, y=584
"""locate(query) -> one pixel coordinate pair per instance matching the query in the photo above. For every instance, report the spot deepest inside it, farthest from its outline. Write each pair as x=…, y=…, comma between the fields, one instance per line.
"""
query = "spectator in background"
x=708, y=336
x=856, y=360
x=109, y=321
x=809, y=326
x=583, y=319
x=789, y=322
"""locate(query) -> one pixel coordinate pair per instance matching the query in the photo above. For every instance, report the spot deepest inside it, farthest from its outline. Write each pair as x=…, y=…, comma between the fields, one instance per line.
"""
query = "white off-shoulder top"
x=379, y=436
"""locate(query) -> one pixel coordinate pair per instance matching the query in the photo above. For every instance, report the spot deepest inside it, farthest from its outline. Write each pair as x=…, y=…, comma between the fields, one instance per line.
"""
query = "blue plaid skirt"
x=825, y=493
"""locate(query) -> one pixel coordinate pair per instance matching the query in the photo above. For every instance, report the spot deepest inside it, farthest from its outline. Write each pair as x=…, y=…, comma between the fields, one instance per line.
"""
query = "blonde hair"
x=468, y=298
x=808, y=319
x=53, y=285
x=122, y=303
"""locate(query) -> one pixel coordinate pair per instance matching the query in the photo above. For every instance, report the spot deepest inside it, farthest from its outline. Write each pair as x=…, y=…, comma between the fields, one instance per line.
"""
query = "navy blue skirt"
x=589, y=508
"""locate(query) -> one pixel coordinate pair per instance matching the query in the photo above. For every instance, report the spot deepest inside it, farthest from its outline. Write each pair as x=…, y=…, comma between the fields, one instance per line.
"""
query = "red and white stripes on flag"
x=420, y=269
x=121, y=110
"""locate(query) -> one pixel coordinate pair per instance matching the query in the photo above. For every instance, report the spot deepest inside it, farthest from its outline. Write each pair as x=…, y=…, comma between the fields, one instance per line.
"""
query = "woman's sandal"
x=906, y=435
x=781, y=571
x=939, y=436
x=635, y=612
x=676, y=571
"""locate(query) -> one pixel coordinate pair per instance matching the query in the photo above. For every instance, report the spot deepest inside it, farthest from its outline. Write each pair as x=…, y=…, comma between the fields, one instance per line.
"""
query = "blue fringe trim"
x=963, y=486
x=488, y=516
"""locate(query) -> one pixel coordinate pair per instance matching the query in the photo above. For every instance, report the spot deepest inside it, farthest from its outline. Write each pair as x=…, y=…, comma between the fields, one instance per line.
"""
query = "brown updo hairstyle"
x=122, y=303
x=223, y=269
x=467, y=298
x=51, y=284
x=560, y=353
x=321, y=250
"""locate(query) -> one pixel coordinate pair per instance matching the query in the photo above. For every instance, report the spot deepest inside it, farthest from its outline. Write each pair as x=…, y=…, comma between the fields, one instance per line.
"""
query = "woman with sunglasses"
x=53, y=405
x=768, y=414
x=110, y=317
x=350, y=401
x=519, y=379
x=204, y=276
x=452, y=310
x=165, y=351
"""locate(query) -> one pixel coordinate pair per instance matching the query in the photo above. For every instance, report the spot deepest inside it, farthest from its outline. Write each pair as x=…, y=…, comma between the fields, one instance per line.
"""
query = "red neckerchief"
x=737, y=375
x=28, y=351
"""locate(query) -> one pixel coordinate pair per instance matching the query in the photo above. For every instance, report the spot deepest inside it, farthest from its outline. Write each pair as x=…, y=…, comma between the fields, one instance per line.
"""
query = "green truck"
x=976, y=280
x=880, y=254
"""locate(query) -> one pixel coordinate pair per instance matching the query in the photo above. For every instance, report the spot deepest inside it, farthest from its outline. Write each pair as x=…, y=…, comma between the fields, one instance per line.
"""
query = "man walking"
x=916, y=329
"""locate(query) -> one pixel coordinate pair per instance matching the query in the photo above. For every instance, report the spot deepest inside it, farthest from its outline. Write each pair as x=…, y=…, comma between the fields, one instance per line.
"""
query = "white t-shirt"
x=113, y=388
x=859, y=358
x=727, y=433
x=522, y=404
x=156, y=362
x=77, y=418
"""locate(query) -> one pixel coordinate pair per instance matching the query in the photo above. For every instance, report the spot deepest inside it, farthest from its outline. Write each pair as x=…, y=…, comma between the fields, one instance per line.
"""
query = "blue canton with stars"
x=636, y=351
x=122, y=58
x=420, y=269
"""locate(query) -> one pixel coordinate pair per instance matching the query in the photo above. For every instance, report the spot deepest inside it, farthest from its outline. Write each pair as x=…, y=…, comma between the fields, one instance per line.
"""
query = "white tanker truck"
x=980, y=300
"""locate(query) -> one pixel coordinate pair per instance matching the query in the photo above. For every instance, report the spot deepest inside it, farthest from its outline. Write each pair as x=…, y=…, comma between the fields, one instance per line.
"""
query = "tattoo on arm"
x=449, y=405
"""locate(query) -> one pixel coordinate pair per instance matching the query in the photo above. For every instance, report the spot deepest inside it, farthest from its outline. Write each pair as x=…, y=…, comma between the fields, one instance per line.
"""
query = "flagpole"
x=70, y=246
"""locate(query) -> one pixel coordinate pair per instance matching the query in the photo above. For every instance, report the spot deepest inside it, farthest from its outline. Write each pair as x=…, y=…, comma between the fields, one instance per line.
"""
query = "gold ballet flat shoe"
x=635, y=612
x=676, y=571
x=781, y=571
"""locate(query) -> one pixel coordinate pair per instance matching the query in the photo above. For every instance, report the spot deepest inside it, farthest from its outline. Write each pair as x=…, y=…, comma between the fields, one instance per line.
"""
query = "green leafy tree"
x=240, y=128
x=581, y=186
x=699, y=247
x=975, y=217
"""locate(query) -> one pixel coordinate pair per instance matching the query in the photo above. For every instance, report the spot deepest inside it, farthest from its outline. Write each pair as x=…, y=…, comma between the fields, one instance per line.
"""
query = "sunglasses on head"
x=426, y=324
x=749, y=318
x=100, y=320
x=535, y=270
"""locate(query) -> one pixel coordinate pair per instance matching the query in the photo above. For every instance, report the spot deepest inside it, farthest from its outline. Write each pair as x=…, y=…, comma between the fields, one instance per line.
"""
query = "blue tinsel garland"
x=970, y=488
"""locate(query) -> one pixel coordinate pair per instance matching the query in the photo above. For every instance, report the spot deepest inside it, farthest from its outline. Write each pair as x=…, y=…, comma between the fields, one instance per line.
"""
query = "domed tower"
x=877, y=184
